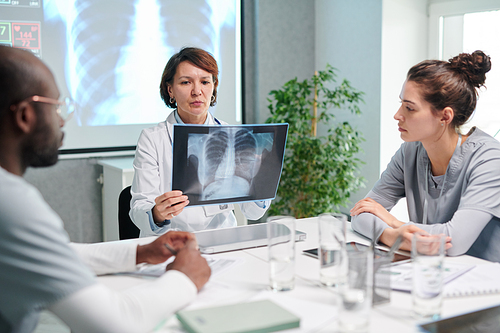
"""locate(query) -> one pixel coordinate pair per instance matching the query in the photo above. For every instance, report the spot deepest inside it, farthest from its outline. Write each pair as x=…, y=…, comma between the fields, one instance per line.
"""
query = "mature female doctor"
x=188, y=85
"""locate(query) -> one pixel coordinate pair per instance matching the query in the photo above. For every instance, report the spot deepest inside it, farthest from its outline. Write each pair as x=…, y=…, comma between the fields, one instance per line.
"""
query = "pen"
x=170, y=249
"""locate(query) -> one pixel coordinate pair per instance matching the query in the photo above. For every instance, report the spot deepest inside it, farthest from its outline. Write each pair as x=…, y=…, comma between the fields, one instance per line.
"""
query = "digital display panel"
x=20, y=3
x=26, y=35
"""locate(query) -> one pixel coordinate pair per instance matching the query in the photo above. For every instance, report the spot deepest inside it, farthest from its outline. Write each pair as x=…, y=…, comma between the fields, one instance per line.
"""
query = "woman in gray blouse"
x=451, y=181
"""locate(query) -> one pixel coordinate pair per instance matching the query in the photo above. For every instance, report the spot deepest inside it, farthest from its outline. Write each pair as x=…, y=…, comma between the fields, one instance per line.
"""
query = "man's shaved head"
x=20, y=77
x=30, y=132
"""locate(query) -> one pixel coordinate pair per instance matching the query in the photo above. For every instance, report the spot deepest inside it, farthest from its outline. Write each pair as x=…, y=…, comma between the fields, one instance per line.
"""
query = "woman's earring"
x=172, y=100
x=442, y=124
x=212, y=99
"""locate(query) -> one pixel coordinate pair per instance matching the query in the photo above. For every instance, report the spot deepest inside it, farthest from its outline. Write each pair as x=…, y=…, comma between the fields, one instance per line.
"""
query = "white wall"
x=404, y=44
x=373, y=44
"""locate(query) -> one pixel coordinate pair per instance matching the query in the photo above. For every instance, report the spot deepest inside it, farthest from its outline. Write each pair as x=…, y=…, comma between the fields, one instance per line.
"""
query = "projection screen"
x=109, y=55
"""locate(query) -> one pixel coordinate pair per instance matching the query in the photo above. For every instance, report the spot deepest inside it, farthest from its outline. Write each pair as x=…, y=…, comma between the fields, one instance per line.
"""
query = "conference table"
x=247, y=279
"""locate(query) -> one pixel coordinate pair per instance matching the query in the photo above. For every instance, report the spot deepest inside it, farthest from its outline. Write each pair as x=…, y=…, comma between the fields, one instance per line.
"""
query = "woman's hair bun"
x=474, y=66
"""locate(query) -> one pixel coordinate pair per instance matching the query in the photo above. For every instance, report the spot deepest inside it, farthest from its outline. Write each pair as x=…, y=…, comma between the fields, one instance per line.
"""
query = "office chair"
x=127, y=229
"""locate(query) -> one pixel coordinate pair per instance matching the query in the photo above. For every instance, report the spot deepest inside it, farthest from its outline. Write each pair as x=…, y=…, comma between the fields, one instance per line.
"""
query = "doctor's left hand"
x=156, y=252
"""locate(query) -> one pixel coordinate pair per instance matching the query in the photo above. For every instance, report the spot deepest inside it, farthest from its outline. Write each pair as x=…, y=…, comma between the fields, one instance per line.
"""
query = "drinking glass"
x=381, y=278
x=332, y=249
x=356, y=294
x=428, y=257
x=281, y=248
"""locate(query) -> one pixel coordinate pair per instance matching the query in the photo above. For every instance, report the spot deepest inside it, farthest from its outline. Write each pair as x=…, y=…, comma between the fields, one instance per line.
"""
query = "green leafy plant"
x=319, y=172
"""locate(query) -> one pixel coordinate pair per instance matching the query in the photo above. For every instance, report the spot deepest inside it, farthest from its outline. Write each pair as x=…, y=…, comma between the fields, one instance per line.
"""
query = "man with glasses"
x=39, y=268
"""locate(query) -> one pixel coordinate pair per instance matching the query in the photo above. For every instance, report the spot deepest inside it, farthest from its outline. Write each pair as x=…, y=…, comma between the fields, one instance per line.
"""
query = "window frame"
x=440, y=9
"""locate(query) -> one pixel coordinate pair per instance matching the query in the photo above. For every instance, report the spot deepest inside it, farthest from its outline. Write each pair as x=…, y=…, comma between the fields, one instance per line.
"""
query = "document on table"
x=481, y=280
x=402, y=273
x=217, y=265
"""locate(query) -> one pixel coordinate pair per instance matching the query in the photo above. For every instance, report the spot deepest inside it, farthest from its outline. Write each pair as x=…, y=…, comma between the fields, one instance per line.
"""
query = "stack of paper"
x=481, y=280
x=402, y=274
x=459, y=279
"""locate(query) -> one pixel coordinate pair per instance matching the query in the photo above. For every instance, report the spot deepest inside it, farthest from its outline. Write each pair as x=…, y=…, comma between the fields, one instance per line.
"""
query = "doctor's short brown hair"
x=196, y=56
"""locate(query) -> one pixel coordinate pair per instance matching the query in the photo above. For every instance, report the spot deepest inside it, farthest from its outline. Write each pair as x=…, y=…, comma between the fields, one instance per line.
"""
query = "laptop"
x=236, y=238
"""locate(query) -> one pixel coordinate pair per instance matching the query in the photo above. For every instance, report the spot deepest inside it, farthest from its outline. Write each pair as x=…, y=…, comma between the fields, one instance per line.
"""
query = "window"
x=461, y=26
x=479, y=31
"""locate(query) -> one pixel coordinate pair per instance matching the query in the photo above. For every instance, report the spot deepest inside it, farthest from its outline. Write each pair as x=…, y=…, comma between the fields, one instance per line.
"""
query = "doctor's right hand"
x=168, y=205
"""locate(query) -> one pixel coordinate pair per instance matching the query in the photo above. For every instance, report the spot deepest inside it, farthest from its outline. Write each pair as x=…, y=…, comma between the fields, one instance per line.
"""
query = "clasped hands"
x=188, y=259
x=389, y=235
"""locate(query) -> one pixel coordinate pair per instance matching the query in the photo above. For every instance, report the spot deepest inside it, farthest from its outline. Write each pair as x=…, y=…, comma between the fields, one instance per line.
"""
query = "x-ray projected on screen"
x=115, y=51
x=225, y=164
x=109, y=56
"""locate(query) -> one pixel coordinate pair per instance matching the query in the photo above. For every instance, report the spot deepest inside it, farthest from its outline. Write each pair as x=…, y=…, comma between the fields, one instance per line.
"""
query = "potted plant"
x=319, y=172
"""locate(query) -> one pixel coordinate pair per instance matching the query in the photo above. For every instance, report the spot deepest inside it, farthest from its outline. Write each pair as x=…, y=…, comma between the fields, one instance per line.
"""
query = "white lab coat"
x=152, y=177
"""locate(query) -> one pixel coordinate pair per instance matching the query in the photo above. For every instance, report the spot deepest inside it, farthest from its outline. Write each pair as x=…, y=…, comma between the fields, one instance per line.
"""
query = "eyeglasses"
x=65, y=108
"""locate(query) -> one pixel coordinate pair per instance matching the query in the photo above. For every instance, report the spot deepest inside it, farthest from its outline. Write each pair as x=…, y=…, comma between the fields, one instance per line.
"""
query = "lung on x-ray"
x=228, y=163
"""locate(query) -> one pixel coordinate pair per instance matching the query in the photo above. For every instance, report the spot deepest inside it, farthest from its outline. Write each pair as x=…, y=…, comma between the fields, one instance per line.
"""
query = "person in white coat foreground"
x=188, y=85
x=39, y=268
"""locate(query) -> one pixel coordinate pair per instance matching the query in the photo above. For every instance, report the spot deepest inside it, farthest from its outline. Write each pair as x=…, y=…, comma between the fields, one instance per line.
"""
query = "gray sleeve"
x=483, y=183
x=464, y=228
x=391, y=185
x=387, y=191
x=365, y=222
x=37, y=266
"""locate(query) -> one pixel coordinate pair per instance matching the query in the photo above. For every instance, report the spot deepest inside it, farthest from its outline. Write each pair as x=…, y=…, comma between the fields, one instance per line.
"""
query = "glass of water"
x=281, y=248
x=332, y=249
x=356, y=294
x=428, y=258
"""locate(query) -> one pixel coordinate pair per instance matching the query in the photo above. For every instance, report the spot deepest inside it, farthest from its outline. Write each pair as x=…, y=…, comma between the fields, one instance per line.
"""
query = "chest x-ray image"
x=111, y=53
x=228, y=163
x=228, y=160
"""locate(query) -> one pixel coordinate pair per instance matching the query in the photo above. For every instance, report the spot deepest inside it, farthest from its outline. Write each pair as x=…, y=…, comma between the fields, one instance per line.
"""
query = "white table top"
x=249, y=279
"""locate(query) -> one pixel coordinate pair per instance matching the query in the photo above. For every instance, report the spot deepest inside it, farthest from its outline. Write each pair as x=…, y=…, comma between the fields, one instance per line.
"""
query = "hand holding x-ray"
x=227, y=164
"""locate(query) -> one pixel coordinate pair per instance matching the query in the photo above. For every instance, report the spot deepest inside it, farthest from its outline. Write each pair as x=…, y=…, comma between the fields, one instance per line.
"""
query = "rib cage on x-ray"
x=90, y=32
x=214, y=151
x=228, y=160
x=245, y=146
x=245, y=155
x=108, y=47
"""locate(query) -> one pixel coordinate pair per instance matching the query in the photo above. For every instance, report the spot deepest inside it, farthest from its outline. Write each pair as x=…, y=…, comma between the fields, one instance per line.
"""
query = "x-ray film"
x=228, y=163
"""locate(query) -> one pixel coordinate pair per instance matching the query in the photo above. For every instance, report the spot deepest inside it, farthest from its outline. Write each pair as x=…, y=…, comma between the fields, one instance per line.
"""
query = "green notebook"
x=256, y=317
